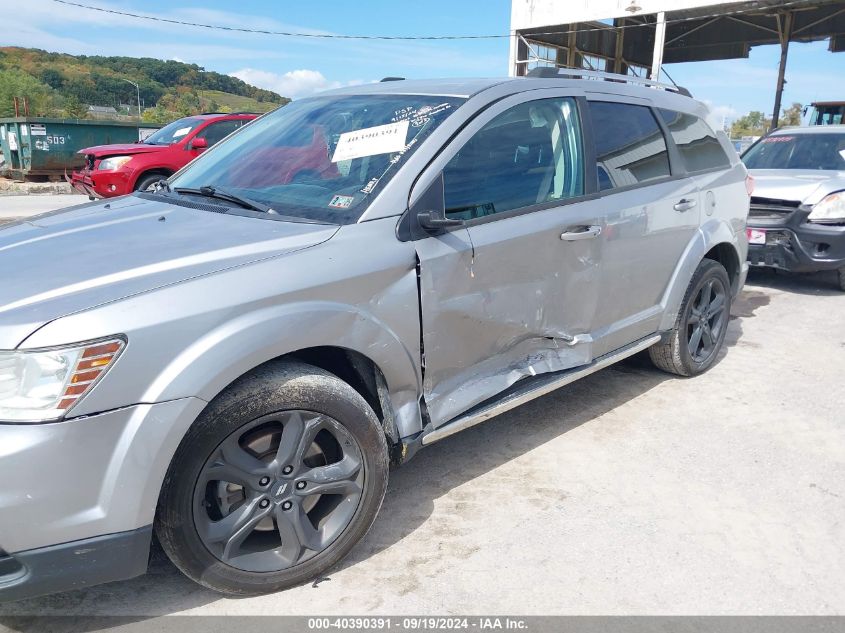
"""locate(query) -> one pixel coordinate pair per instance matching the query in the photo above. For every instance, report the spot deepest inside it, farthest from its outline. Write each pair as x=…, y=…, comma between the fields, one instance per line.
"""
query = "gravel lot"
x=629, y=492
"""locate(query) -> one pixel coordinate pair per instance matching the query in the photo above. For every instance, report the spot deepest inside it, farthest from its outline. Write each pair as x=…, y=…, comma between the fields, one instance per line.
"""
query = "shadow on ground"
x=413, y=489
x=816, y=284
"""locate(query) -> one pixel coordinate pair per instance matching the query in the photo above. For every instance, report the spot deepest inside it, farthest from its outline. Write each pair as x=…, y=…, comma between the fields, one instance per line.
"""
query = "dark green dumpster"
x=34, y=146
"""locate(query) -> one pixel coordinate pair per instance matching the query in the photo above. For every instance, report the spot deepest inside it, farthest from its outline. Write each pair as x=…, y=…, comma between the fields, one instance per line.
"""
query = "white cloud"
x=720, y=115
x=293, y=84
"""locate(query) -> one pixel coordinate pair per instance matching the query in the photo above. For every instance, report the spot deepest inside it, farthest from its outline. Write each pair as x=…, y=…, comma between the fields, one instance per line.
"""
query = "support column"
x=785, y=33
x=620, y=41
x=659, y=39
x=513, y=56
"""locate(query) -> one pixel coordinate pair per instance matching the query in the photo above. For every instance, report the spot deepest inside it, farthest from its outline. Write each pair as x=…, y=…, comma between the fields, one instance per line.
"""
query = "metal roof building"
x=639, y=36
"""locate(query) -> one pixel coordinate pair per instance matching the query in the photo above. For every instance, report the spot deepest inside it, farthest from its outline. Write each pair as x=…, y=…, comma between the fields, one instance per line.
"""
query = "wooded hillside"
x=58, y=84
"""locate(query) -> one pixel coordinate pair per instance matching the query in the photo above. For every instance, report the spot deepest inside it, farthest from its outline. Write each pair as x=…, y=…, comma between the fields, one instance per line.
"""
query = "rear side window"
x=699, y=148
x=630, y=148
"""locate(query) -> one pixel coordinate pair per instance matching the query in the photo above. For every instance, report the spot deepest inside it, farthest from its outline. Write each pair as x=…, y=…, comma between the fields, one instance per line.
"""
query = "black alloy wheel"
x=278, y=491
x=275, y=482
x=707, y=317
x=692, y=346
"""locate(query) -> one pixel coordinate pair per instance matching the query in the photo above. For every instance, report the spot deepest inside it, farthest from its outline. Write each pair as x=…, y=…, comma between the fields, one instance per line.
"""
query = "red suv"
x=115, y=170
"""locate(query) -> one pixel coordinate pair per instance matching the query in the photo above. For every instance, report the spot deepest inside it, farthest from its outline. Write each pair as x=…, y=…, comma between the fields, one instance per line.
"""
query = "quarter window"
x=699, y=148
x=530, y=154
x=630, y=148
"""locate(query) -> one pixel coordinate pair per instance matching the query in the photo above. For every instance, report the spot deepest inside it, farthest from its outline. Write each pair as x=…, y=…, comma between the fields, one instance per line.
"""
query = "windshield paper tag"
x=341, y=202
x=370, y=141
x=181, y=131
x=778, y=139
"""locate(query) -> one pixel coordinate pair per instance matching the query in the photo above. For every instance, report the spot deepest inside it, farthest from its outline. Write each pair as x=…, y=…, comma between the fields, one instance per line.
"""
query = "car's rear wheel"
x=146, y=183
x=841, y=272
x=693, y=345
x=279, y=478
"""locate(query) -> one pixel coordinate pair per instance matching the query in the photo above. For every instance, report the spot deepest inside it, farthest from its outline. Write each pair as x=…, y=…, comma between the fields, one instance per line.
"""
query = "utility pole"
x=137, y=92
x=784, y=33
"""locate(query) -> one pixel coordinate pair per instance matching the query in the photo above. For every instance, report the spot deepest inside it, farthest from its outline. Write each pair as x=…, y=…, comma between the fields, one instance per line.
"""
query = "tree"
x=754, y=123
x=73, y=108
x=792, y=115
x=16, y=83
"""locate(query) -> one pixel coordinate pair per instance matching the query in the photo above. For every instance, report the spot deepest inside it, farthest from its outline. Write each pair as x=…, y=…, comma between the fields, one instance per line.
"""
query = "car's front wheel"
x=278, y=479
x=147, y=183
x=841, y=278
x=693, y=345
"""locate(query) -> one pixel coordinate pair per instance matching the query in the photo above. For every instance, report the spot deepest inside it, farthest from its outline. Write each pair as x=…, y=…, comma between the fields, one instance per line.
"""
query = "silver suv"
x=233, y=360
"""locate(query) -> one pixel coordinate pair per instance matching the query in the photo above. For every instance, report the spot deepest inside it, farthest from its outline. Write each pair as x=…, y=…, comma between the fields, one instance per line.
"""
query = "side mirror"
x=199, y=142
x=429, y=211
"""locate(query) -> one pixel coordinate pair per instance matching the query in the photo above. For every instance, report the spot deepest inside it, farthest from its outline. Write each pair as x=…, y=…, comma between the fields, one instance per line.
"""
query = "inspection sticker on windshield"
x=381, y=139
x=341, y=202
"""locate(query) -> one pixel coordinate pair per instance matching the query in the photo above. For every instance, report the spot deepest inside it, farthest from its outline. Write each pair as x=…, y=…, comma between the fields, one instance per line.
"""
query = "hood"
x=74, y=259
x=805, y=186
x=122, y=149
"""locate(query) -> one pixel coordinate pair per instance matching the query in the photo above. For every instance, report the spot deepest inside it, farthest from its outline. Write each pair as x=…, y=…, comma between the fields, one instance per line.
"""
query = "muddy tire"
x=281, y=475
x=693, y=344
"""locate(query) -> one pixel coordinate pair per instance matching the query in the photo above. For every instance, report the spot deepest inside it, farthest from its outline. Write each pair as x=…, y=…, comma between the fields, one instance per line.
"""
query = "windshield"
x=797, y=151
x=322, y=158
x=174, y=132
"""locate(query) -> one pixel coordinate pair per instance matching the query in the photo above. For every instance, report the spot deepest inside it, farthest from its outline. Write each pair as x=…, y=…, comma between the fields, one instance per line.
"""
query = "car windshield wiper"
x=210, y=191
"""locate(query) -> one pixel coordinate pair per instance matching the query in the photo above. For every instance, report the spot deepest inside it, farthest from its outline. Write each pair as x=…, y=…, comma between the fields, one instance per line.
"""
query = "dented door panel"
x=503, y=300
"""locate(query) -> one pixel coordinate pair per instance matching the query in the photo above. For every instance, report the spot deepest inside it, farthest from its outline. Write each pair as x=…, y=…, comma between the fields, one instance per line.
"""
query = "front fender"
x=710, y=234
x=225, y=353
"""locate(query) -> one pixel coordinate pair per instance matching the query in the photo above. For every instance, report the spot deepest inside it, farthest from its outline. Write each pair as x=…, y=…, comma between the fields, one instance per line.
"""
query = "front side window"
x=323, y=158
x=630, y=148
x=216, y=132
x=798, y=151
x=530, y=154
x=699, y=148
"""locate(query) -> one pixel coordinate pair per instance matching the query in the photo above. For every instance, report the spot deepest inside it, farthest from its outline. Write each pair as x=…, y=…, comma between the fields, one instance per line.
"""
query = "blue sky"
x=297, y=67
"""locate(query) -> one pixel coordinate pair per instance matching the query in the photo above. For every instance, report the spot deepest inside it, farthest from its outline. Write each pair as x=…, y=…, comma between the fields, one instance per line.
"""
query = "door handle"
x=582, y=233
x=684, y=204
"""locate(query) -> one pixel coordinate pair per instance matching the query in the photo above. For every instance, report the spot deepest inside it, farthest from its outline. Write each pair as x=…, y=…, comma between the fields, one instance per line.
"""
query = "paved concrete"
x=13, y=207
x=629, y=492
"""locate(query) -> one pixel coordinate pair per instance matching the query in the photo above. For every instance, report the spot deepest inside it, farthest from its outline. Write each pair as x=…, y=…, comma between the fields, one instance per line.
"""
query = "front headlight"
x=41, y=385
x=831, y=210
x=115, y=162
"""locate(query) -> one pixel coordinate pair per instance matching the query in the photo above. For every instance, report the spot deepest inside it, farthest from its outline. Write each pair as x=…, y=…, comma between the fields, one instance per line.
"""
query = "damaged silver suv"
x=233, y=360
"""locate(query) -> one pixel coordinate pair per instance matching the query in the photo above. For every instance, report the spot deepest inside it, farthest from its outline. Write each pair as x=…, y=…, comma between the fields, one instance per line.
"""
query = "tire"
x=145, y=182
x=225, y=443
x=674, y=354
x=841, y=272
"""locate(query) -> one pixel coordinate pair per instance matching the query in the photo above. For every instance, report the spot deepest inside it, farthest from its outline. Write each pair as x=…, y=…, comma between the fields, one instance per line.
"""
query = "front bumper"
x=796, y=245
x=75, y=565
x=100, y=184
x=81, y=479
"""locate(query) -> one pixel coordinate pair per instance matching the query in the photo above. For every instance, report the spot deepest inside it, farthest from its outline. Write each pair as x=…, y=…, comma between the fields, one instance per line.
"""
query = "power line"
x=339, y=36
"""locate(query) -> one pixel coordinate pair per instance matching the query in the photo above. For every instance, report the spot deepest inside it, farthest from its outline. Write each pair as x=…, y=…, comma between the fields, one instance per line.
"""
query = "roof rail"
x=562, y=73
